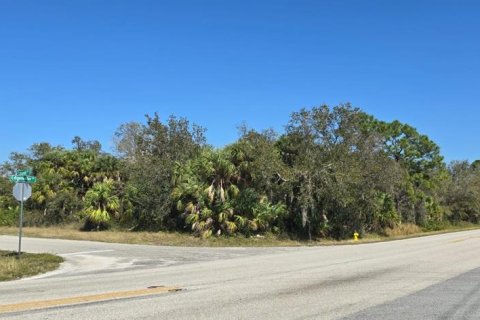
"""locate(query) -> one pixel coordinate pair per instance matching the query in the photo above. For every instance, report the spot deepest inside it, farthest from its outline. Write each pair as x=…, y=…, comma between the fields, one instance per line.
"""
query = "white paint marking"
x=84, y=252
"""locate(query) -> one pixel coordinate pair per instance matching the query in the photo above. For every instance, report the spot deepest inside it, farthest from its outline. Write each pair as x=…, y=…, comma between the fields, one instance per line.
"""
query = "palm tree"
x=265, y=214
x=101, y=203
x=204, y=190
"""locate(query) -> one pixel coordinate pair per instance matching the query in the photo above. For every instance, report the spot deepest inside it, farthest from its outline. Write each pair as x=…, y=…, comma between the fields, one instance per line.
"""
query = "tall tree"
x=152, y=152
x=421, y=158
x=340, y=171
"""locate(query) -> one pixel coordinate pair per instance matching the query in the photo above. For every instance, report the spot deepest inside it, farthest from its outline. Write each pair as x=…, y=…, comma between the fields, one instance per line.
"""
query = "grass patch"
x=404, y=229
x=72, y=232
x=29, y=264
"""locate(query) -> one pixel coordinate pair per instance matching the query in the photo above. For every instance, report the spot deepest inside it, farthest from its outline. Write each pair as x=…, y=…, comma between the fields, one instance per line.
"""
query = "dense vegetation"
x=332, y=172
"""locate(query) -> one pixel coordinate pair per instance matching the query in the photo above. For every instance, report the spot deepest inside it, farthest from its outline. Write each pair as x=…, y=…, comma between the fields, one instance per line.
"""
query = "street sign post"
x=22, y=191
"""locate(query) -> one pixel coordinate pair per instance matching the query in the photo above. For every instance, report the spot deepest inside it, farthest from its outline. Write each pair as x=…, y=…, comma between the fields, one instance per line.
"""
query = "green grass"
x=29, y=264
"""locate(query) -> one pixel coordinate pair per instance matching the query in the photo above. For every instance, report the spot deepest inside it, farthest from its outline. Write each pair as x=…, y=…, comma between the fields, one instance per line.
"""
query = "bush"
x=436, y=225
x=8, y=217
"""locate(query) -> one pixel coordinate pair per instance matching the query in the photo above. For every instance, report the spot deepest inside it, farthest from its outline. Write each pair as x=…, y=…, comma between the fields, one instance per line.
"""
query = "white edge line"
x=83, y=252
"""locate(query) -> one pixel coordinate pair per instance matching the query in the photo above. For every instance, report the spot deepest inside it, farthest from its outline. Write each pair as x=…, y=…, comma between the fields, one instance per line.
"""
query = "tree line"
x=333, y=171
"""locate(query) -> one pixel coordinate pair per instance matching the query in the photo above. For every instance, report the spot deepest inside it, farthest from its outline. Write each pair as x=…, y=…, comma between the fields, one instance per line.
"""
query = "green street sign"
x=31, y=179
x=27, y=179
x=27, y=172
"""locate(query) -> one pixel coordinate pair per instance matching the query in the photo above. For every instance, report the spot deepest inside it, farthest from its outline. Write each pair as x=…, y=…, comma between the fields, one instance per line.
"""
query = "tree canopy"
x=332, y=172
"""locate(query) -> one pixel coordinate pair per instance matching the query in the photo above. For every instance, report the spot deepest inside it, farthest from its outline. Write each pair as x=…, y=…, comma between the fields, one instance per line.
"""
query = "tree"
x=259, y=163
x=82, y=145
x=415, y=151
x=204, y=192
x=420, y=157
x=462, y=192
x=340, y=172
x=150, y=153
x=126, y=140
x=8, y=205
x=210, y=201
x=64, y=178
x=334, y=171
x=101, y=204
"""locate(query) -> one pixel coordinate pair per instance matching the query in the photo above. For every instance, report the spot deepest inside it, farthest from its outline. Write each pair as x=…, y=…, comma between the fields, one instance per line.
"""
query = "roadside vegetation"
x=332, y=172
x=29, y=264
x=183, y=239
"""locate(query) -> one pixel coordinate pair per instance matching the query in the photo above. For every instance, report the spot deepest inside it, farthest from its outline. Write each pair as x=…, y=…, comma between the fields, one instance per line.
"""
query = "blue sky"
x=83, y=67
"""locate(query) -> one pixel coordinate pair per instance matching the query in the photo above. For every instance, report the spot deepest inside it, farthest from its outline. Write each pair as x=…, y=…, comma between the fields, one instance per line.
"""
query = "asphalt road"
x=435, y=277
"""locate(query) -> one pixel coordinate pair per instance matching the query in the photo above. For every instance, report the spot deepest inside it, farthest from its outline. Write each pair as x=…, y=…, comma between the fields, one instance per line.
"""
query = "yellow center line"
x=463, y=239
x=43, y=304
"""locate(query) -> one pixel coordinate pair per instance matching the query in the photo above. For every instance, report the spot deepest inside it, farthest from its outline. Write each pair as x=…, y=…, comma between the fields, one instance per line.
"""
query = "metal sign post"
x=22, y=191
x=21, y=221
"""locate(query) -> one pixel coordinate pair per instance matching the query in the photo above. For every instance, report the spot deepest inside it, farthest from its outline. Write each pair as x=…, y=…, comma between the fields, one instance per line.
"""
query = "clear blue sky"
x=83, y=67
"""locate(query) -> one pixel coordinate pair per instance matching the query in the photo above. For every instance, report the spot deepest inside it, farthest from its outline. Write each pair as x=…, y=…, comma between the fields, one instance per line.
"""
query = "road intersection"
x=433, y=277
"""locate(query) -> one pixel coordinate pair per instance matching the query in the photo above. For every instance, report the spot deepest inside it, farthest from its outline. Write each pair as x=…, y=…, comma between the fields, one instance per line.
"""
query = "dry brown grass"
x=151, y=238
x=402, y=230
x=72, y=232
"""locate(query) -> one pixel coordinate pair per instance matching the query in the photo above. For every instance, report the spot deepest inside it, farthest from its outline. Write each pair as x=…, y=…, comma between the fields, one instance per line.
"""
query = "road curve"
x=435, y=277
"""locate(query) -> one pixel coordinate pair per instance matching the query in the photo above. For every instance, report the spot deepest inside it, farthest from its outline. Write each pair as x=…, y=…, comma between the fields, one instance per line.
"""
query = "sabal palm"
x=203, y=191
x=101, y=203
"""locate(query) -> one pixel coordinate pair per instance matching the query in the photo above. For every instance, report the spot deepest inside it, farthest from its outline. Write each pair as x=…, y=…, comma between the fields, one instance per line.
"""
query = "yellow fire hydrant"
x=355, y=236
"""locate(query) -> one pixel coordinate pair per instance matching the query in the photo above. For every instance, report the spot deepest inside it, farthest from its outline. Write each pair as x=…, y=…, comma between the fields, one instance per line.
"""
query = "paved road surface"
x=436, y=277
